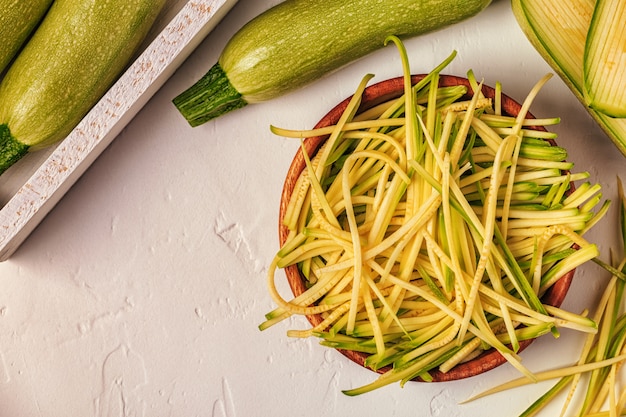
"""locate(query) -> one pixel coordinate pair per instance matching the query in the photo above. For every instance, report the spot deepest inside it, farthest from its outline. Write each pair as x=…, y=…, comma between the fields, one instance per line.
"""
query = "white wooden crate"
x=31, y=188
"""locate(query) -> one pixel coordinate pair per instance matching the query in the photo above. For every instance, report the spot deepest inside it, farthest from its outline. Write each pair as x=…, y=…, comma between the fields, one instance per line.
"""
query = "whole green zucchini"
x=298, y=41
x=74, y=56
x=18, y=18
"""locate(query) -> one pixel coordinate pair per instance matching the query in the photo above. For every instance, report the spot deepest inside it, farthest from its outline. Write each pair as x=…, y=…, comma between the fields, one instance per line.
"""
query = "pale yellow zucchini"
x=558, y=30
x=605, y=59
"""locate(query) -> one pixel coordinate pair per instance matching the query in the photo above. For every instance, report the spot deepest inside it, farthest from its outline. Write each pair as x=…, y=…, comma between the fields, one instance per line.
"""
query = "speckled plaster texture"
x=139, y=295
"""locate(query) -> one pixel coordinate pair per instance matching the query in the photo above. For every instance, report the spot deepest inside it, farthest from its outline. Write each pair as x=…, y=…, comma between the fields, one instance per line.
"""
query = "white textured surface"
x=141, y=291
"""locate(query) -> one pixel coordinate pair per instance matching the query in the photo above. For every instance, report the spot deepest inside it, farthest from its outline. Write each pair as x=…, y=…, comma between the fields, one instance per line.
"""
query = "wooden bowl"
x=374, y=95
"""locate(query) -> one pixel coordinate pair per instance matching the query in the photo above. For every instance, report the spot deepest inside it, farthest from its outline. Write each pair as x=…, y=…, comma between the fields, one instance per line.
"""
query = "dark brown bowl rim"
x=373, y=95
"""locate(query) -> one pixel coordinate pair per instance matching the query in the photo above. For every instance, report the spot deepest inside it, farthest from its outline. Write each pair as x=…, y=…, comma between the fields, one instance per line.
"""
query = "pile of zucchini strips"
x=428, y=228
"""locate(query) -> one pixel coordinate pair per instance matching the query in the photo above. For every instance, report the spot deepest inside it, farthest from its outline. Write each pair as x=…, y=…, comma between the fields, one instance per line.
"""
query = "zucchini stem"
x=12, y=150
x=211, y=96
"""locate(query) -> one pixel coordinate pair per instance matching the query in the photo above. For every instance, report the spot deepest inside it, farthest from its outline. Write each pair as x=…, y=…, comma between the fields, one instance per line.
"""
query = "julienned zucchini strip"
x=299, y=41
x=74, y=56
x=403, y=266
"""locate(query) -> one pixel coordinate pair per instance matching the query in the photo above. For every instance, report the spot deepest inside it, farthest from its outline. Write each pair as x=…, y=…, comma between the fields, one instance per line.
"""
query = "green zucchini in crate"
x=18, y=19
x=298, y=41
x=74, y=56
